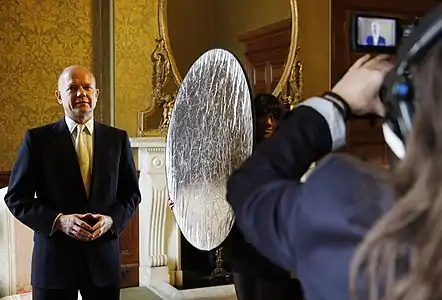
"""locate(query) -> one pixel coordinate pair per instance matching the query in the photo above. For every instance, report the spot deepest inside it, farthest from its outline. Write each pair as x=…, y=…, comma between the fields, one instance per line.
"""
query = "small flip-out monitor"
x=375, y=34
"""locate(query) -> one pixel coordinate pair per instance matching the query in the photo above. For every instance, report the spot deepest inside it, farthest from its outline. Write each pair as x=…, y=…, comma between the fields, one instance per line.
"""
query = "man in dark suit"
x=312, y=228
x=375, y=39
x=74, y=183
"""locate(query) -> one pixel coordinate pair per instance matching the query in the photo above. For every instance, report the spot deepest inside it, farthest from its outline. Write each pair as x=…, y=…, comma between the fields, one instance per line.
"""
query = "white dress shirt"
x=375, y=40
x=89, y=130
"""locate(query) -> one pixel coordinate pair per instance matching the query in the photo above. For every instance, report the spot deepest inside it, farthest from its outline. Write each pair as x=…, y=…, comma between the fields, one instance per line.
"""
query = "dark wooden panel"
x=266, y=51
x=129, y=276
x=258, y=76
x=129, y=253
x=374, y=153
x=129, y=242
x=363, y=132
x=275, y=74
x=4, y=178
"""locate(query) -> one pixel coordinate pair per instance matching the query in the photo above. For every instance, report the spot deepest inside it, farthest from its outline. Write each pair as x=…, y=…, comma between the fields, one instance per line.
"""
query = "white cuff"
x=333, y=117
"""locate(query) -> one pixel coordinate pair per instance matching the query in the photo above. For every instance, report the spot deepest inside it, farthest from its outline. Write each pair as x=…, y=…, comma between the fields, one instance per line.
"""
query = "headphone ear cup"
x=402, y=89
x=401, y=114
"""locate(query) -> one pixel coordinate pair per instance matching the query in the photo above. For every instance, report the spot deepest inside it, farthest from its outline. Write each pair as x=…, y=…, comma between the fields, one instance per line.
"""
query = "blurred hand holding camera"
x=361, y=85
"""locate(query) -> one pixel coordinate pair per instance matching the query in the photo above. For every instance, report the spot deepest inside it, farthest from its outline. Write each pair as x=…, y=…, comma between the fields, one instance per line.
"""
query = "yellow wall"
x=211, y=23
x=215, y=24
x=315, y=43
x=37, y=40
x=235, y=17
x=40, y=38
x=135, y=34
x=197, y=22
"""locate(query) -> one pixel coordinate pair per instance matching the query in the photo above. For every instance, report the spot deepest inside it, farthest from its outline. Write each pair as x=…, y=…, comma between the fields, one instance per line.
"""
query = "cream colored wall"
x=23, y=256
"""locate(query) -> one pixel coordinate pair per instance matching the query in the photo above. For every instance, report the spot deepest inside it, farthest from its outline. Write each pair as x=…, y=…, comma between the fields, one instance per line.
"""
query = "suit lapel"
x=67, y=155
x=99, y=156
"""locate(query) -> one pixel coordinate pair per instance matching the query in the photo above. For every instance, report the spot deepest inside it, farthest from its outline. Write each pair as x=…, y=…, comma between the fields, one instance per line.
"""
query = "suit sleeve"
x=266, y=191
x=20, y=197
x=128, y=192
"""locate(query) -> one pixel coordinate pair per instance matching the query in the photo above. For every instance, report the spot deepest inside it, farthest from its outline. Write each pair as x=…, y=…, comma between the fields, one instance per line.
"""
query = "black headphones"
x=398, y=90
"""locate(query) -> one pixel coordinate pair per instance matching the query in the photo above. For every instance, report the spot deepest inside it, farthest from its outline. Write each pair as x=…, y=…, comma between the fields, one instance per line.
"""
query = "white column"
x=159, y=234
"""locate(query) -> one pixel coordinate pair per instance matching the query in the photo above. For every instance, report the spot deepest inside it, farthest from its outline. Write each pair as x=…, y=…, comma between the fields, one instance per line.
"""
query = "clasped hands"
x=86, y=227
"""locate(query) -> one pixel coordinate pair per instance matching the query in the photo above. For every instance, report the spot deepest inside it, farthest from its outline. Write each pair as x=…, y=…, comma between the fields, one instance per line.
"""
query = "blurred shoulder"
x=348, y=186
x=348, y=165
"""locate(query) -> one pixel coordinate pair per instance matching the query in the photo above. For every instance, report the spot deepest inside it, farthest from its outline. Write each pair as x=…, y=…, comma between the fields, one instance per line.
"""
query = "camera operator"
x=350, y=222
x=288, y=221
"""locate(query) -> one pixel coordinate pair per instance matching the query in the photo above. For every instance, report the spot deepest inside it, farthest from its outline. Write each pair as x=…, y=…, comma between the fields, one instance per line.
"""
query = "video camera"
x=377, y=34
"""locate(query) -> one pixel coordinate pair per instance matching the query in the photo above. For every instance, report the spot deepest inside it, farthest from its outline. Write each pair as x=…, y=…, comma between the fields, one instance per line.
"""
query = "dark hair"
x=412, y=229
x=267, y=104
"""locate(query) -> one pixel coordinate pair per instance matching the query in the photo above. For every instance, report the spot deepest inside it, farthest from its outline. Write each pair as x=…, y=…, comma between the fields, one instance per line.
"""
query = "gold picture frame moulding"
x=289, y=88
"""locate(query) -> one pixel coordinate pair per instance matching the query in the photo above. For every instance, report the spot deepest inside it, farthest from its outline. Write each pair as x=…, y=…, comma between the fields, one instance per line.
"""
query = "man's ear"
x=97, y=93
x=58, y=97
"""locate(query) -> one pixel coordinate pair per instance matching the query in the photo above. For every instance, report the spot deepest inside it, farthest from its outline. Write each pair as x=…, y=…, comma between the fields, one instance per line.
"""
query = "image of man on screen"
x=375, y=39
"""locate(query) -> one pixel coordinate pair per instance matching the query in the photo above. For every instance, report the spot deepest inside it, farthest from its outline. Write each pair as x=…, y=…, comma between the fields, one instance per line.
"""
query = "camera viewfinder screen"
x=376, y=32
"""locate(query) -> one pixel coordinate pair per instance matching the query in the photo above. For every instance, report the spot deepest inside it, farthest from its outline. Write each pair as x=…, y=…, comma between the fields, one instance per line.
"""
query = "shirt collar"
x=72, y=124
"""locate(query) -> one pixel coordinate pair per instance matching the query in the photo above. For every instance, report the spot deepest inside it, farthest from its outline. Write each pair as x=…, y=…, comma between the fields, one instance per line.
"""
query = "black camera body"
x=377, y=34
x=411, y=45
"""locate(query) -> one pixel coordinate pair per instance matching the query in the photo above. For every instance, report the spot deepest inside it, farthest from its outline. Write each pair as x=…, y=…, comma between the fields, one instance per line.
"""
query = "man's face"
x=375, y=28
x=77, y=94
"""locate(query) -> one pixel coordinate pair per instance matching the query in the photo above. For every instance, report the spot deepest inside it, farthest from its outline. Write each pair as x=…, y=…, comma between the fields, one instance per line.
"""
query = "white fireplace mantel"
x=159, y=234
x=159, y=241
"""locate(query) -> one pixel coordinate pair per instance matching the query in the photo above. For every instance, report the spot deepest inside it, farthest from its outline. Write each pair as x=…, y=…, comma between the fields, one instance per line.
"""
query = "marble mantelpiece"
x=159, y=233
x=160, y=252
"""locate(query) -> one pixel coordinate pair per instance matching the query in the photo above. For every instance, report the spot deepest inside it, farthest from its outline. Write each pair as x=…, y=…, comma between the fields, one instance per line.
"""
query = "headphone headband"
x=422, y=38
x=398, y=85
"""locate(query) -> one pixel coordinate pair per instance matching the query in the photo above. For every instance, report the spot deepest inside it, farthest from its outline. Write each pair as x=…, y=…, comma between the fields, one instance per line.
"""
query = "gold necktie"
x=83, y=156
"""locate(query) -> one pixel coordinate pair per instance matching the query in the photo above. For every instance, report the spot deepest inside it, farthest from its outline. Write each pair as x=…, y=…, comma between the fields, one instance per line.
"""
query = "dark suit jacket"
x=47, y=165
x=369, y=40
x=311, y=229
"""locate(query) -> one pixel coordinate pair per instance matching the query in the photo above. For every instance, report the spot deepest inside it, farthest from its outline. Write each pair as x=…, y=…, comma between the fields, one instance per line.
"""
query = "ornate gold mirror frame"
x=289, y=88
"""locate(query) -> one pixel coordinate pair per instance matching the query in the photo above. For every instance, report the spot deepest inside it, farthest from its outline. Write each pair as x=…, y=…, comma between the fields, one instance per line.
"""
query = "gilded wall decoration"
x=292, y=94
x=135, y=33
x=37, y=40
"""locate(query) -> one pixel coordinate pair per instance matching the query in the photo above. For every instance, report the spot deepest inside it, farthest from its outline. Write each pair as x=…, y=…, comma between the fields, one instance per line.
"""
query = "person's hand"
x=104, y=223
x=170, y=203
x=361, y=85
x=74, y=226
